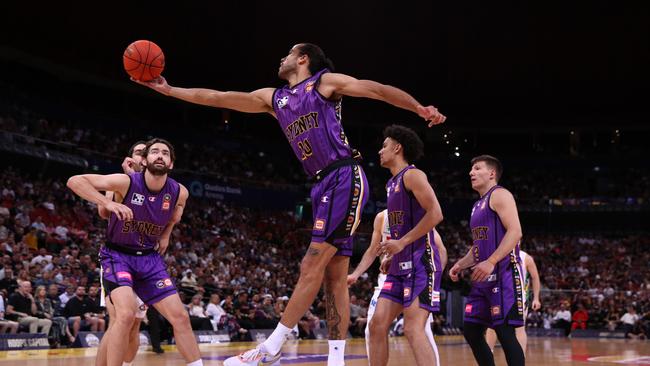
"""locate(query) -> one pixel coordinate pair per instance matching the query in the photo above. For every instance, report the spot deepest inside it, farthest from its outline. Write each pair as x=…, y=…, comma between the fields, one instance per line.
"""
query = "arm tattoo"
x=333, y=317
x=313, y=251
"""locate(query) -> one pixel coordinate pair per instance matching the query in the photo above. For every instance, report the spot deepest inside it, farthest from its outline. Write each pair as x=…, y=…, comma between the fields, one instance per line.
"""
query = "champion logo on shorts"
x=468, y=308
x=126, y=275
x=495, y=290
x=319, y=224
x=152, y=198
x=387, y=286
x=137, y=199
x=496, y=310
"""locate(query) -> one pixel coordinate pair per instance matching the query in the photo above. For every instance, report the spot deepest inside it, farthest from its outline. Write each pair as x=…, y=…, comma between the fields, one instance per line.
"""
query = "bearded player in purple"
x=138, y=233
x=413, y=281
x=496, y=298
x=308, y=110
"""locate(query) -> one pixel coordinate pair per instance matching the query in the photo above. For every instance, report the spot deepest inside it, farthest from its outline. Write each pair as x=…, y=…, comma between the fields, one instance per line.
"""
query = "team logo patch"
x=319, y=224
x=122, y=275
x=166, y=201
x=137, y=199
x=496, y=310
x=164, y=283
x=387, y=286
x=407, y=291
x=468, y=308
x=309, y=86
x=283, y=101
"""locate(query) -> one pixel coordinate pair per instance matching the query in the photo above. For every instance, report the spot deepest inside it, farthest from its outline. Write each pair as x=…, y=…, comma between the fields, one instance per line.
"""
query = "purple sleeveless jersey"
x=487, y=233
x=151, y=213
x=312, y=124
x=416, y=271
x=404, y=213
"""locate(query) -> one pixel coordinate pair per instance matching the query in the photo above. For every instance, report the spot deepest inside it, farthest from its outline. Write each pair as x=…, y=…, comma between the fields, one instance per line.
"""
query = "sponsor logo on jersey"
x=137, y=199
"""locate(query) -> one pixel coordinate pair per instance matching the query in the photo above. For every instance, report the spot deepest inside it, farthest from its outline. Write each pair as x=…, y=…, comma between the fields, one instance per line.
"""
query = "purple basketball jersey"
x=151, y=213
x=312, y=124
x=404, y=213
x=487, y=233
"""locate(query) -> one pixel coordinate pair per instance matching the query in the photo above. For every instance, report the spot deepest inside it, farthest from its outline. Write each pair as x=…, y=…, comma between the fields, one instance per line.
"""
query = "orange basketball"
x=143, y=60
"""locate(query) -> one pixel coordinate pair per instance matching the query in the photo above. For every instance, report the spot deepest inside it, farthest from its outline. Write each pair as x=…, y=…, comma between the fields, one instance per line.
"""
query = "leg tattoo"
x=333, y=317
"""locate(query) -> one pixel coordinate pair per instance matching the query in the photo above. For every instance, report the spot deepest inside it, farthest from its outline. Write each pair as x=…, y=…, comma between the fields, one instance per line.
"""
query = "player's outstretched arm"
x=372, y=251
x=88, y=187
x=258, y=101
x=334, y=84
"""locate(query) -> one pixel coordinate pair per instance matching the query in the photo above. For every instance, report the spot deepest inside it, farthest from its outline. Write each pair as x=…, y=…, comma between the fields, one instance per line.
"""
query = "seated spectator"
x=562, y=319
x=215, y=311
x=22, y=308
x=198, y=316
x=44, y=310
x=579, y=318
x=628, y=321
x=6, y=326
x=82, y=314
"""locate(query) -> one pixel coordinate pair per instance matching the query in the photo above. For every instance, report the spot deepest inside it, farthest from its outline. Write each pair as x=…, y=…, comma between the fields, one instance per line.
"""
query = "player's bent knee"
x=179, y=318
x=377, y=327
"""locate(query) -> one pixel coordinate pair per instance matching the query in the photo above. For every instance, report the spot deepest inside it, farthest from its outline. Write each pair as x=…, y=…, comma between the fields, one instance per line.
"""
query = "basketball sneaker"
x=253, y=357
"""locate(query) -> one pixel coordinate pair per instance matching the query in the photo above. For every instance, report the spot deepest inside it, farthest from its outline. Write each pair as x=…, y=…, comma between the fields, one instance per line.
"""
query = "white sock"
x=198, y=362
x=336, y=357
x=127, y=363
x=273, y=344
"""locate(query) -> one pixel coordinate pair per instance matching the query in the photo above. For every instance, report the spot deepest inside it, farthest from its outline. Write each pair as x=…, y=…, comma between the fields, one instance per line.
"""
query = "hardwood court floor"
x=453, y=351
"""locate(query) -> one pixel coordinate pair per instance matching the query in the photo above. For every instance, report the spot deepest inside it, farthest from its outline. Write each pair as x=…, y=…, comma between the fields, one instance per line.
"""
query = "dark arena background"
x=558, y=92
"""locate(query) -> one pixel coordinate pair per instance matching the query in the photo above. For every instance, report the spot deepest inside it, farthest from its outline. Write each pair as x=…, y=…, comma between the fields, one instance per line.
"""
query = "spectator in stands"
x=22, y=308
x=82, y=313
x=580, y=317
x=198, y=316
x=6, y=326
x=629, y=321
x=562, y=319
x=215, y=311
x=69, y=290
x=45, y=310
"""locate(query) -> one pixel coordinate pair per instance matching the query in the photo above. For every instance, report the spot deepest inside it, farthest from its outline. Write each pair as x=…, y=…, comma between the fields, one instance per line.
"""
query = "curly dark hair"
x=317, y=58
x=412, y=145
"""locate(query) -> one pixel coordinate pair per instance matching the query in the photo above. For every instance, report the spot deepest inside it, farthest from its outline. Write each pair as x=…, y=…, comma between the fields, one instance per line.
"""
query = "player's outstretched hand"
x=352, y=279
x=431, y=115
x=123, y=212
x=158, y=84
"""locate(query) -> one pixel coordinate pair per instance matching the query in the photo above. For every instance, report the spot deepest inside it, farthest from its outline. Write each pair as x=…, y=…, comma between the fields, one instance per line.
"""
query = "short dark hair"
x=317, y=58
x=132, y=148
x=492, y=162
x=157, y=140
x=412, y=145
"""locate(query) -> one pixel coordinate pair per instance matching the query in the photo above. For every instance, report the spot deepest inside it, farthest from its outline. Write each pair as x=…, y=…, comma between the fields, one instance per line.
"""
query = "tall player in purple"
x=138, y=233
x=309, y=112
x=413, y=281
x=496, y=298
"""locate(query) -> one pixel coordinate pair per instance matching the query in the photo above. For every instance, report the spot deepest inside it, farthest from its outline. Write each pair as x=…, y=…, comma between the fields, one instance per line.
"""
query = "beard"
x=157, y=170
